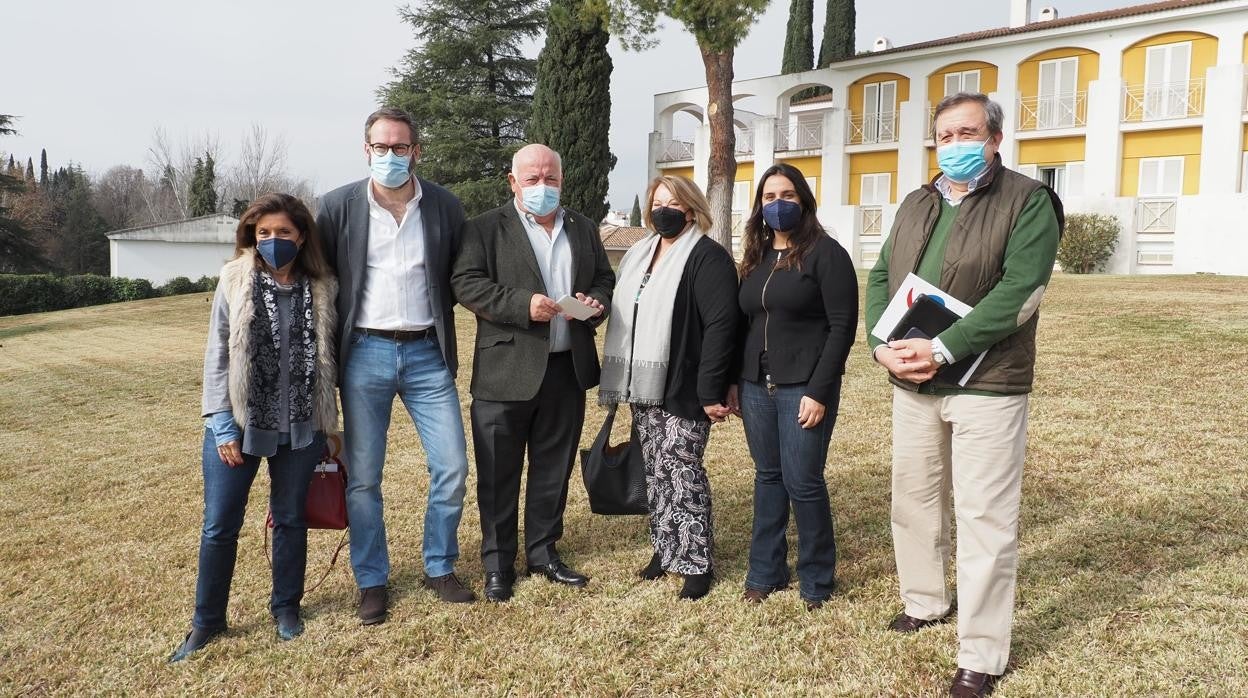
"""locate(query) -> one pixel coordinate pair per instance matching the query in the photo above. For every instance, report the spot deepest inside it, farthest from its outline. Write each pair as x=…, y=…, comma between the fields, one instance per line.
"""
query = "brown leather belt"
x=399, y=335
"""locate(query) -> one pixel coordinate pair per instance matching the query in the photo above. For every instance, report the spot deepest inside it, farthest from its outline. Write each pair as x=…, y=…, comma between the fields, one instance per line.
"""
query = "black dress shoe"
x=374, y=602
x=696, y=586
x=194, y=642
x=905, y=624
x=560, y=574
x=972, y=684
x=498, y=586
x=653, y=570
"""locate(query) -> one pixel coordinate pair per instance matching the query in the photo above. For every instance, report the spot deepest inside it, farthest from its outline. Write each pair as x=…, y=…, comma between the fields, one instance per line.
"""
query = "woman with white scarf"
x=668, y=353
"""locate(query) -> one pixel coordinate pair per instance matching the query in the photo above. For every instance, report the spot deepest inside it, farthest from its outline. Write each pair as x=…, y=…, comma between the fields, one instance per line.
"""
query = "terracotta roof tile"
x=621, y=237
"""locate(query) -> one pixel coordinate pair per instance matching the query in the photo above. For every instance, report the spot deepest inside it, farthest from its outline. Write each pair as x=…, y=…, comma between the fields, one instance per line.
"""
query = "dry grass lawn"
x=1134, y=573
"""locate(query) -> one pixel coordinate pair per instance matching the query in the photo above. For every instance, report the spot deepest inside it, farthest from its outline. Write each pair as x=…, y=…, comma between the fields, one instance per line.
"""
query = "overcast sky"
x=91, y=80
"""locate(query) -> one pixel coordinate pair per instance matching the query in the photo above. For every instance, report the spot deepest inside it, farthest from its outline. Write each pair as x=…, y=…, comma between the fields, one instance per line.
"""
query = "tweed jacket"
x=496, y=275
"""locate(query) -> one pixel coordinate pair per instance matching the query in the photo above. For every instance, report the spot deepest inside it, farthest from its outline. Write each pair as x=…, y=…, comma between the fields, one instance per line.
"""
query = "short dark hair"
x=393, y=114
x=996, y=115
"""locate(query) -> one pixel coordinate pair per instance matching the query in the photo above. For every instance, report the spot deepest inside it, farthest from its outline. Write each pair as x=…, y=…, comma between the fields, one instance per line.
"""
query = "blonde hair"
x=686, y=192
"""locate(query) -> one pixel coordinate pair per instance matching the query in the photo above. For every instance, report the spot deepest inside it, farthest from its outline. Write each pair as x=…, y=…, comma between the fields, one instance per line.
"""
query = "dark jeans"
x=225, y=502
x=789, y=463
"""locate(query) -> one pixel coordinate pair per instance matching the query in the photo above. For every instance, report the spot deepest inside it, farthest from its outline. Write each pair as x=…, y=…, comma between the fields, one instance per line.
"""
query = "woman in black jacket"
x=668, y=352
x=799, y=299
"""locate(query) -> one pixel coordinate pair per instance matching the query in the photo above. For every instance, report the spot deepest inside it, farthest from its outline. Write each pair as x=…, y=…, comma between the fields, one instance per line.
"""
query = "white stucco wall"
x=159, y=261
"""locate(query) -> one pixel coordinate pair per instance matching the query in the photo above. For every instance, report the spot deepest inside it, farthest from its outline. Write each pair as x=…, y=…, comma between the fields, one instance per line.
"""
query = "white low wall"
x=159, y=261
x=1211, y=234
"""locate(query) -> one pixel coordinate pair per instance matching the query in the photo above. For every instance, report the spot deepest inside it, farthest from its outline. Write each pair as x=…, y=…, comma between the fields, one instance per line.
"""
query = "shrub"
x=30, y=293
x=1088, y=242
x=206, y=284
x=177, y=286
x=86, y=289
x=131, y=289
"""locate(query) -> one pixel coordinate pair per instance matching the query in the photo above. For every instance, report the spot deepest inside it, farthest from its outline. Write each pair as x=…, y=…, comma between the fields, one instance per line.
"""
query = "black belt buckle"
x=771, y=387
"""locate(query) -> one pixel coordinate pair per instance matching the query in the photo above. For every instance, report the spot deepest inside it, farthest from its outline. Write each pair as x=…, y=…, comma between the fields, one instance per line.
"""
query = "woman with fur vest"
x=269, y=376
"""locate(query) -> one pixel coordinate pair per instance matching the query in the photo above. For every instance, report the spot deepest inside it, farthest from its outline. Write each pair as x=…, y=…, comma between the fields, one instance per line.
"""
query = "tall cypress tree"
x=634, y=219
x=43, y=168
x=30, y=171
x=572, y=104
x=799, y=42
x=469, y=88
x=838, y=32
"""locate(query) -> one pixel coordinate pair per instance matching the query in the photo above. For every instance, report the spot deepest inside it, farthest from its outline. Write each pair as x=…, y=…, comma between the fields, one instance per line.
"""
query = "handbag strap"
x=342, y=543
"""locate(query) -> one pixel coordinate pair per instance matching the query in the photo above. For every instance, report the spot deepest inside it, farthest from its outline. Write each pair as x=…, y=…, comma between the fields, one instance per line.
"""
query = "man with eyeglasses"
x=391, y=239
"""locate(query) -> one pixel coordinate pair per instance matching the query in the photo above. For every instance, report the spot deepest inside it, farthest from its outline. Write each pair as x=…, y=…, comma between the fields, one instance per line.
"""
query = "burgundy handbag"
x=327, y=501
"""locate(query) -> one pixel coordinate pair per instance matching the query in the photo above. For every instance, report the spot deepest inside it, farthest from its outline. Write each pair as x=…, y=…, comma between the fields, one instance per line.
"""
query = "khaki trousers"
x=972, y=447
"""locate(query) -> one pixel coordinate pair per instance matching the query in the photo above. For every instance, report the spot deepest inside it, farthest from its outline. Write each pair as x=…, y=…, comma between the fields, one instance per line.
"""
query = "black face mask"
x=668, y=221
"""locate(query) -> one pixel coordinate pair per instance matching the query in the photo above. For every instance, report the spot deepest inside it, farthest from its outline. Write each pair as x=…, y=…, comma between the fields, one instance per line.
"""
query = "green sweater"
x=1028, y=264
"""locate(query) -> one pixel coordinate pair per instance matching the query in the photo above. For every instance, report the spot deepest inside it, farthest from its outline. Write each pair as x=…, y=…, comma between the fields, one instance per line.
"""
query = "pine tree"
x=799, y=46
x=572, y=104
x=18, y=251
x=469, y=88
x=43, y=169
x=634, y=218
x=203, y=190
x=838, y=32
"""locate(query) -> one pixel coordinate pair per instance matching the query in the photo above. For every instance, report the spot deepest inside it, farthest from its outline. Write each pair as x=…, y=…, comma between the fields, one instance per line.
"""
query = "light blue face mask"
x=962, y=161
x=390, y=170
x=540, y=199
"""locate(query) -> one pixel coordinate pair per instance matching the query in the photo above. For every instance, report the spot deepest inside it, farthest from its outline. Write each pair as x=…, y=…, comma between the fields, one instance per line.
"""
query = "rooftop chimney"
x=1020, y=13
x=882, y=43
x=1047, y=14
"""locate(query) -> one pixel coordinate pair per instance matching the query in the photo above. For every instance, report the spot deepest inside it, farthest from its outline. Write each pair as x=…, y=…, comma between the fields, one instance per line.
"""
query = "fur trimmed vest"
x=236, y=281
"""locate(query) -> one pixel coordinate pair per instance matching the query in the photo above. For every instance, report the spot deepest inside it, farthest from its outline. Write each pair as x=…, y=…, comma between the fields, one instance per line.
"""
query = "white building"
x=1140, y=112
x=192, y=248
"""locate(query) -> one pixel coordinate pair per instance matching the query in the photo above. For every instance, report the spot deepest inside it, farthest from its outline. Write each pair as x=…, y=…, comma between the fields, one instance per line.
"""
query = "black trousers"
x=549, y=427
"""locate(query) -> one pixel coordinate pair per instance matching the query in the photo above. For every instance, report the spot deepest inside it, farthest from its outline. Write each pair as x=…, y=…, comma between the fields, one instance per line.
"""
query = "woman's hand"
x=733, y=400
x=231, y=453
x=716, y=413
x=810, y=412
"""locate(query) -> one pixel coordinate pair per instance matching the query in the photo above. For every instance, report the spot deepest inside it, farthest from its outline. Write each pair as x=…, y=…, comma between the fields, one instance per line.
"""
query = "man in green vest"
x=987, y=236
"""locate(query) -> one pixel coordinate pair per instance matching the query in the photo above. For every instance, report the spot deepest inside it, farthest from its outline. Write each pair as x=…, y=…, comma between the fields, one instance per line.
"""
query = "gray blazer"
x=496, y=275
x=342, y=222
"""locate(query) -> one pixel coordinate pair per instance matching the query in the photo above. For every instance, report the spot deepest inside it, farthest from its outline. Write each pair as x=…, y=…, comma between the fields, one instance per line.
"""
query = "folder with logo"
x=921, y=309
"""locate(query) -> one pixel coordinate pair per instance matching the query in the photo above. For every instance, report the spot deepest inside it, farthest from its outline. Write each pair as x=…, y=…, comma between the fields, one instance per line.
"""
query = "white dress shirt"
x=554, y=259
x=396, y=288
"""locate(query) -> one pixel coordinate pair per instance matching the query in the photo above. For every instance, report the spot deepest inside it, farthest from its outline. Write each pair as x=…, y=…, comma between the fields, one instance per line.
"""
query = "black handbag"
x=615, y=476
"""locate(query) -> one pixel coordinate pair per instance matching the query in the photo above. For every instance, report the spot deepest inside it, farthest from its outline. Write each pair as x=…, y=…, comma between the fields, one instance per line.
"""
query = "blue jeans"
x=225, y=502
x=789, y=463
x=377, y=370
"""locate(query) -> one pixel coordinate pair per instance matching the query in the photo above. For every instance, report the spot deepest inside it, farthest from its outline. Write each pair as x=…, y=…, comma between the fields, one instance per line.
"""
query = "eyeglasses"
x=399, y=149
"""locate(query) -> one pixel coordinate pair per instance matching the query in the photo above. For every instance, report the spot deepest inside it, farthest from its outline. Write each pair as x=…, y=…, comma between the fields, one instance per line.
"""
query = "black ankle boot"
x=194, y=642
x=696, y=585
x=653, y=570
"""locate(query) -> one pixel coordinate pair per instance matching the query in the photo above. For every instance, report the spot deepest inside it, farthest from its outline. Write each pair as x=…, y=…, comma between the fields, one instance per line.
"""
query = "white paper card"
x=913, y=287
x=328, y=467
x=575, y=308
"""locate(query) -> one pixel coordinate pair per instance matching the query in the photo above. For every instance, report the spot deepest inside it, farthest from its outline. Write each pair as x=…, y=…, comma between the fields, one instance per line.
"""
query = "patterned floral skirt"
x=677, y=489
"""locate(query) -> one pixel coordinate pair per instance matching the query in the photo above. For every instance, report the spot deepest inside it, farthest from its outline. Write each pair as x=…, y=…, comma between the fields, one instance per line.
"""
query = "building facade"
x=192, y=248
x=1140, y=113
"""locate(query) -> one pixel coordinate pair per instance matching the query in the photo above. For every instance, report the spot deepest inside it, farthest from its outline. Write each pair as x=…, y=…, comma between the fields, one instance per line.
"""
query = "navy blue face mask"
x=278, y=252
x=782, y=215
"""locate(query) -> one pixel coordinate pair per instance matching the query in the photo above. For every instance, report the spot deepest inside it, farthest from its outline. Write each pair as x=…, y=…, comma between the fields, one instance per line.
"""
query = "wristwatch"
x=939, y=357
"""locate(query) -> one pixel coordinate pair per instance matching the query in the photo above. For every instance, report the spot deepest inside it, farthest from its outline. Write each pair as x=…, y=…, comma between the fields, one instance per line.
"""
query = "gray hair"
x=996, y=115
x=515, y=157
x=393, y=114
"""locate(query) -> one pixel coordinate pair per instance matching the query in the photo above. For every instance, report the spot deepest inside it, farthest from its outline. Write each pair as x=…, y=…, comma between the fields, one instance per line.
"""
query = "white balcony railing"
x=803, y=135
x=870, y=239
x=1153, y=216
x=872, y=128
x=1173, y=100
x=1053, y=111
x=745, y=141
x=675, y=151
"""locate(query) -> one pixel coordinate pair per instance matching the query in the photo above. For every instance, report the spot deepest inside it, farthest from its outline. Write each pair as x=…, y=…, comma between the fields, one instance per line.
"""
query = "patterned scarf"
x=264, y=397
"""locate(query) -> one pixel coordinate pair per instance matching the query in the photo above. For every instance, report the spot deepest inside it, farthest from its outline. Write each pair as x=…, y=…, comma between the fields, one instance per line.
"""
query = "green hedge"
x=38, y=293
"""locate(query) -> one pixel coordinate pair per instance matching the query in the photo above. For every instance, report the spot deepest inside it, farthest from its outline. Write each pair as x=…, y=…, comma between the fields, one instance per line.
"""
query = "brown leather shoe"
x=373, y=604
x=909, y=624
x=449, y=588
x=753, y=595
x=972, y=684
